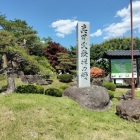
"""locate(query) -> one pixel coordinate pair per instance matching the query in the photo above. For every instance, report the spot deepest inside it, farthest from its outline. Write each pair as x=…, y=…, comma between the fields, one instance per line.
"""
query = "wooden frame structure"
x=123, y=54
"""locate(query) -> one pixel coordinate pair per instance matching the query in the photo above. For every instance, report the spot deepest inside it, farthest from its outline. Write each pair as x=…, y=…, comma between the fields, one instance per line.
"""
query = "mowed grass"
x=42, y=117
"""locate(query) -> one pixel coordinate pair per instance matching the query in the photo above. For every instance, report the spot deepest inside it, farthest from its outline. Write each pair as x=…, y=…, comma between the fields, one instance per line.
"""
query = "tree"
x=46, y=40
x=96, y=72
x=25, y=35
x=13, y=57
x=72, y=55
x=51, y=51
x=65, y=63
x=7, y=40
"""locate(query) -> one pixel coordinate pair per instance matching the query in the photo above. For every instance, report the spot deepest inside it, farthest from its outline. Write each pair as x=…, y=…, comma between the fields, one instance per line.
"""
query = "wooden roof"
x=121, y=54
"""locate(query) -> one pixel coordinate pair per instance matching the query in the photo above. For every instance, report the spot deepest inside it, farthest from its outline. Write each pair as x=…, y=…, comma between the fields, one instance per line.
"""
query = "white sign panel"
x=83, y=54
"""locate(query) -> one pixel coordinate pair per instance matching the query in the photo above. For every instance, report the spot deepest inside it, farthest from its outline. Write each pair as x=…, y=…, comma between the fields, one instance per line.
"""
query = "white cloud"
x=60, y=35
x=119, y=29
x=116, y=29
x=64, y=27
x=97, y=33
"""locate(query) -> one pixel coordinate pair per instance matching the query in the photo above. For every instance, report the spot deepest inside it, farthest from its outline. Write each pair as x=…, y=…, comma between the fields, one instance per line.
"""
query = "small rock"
x=126, y=96
x=129, y=109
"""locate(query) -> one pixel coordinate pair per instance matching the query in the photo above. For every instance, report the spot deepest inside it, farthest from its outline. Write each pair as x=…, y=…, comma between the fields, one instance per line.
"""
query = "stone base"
x=93, y=98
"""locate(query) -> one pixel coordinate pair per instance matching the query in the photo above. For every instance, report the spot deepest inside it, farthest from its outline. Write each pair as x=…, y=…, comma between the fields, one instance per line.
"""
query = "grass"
x=42, y=117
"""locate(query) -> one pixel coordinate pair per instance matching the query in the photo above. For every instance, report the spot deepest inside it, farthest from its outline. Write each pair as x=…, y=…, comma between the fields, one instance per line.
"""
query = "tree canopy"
x=51, y=51
x=20, y=41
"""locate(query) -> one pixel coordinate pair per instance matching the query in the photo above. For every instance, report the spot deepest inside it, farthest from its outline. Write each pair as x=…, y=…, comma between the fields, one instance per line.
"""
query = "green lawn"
x=42, y=117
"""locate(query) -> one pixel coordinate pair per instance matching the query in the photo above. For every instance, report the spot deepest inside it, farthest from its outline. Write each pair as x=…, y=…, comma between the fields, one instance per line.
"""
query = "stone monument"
x=90, y=97
x=83, y=54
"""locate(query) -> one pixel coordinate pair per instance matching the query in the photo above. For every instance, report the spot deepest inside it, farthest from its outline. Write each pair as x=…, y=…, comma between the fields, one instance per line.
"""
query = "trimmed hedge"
x=109, y=86
x=36, y=89
x=65, y=78
x=111, y=94
x=54, y=92
x=30, y=89
x=64, y=87
x=4, y=88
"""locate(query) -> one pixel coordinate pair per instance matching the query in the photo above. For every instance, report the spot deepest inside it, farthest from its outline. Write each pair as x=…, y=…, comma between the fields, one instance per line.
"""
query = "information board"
x=122, y=68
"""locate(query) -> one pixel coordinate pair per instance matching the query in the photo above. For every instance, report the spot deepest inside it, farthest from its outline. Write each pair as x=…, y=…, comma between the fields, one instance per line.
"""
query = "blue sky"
x=58, y=18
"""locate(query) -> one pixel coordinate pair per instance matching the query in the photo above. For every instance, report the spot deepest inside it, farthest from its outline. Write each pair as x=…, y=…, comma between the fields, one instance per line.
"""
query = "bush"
x=4, y=88
x=65, y=78
x=54, y=92
x=30, y=89
x=111, y=94
x=109, y=86
x=2, y=77
x=64, y=87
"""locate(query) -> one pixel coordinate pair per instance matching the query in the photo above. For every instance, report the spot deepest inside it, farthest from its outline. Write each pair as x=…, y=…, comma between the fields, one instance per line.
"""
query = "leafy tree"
x=46, y=40
x=51, y=51
x=96, y=72
x=65, y=63
x=96, y=52
x=72, y=55
x=13, y=57
x=25, y=35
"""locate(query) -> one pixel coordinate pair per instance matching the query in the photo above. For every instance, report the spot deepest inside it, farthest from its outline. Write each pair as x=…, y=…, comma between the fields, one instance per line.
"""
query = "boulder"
x=35, y=79
x=97, y=81
x=93, y=98
x=126, y=96
x=20, y=74
x=32, y=78
x=24, y=79
x=42, y=82
x=129, y=109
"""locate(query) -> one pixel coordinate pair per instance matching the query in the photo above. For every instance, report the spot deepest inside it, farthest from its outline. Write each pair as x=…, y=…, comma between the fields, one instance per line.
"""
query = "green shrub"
x=111, y=94
x=54, y=92
x=30, y=89
x=2, y=77
x=40, y=89
x=109, y=86
x=4, y=88
x=64, y=87
x=65, y=78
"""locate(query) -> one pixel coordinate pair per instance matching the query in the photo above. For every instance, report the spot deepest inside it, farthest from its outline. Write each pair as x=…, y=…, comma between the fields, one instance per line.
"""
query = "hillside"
x=40, y=117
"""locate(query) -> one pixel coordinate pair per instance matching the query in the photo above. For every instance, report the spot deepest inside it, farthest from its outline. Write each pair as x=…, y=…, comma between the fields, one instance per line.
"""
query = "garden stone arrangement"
x=93, y=98
x=31, y=79
x=90, y=97
x=129, y=109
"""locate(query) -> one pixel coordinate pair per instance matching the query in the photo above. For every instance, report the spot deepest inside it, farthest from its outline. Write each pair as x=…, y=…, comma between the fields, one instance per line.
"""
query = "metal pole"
x=132, y=52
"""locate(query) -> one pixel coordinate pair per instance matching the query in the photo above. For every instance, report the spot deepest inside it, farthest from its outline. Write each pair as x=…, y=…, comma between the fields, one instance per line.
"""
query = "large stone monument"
x=83, y=54
x=89, y=97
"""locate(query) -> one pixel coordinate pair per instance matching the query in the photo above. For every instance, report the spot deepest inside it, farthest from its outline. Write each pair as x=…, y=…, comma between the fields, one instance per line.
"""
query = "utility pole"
x=132, y=48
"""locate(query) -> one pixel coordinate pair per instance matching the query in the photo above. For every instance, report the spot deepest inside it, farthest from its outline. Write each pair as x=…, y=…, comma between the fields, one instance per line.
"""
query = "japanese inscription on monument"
x=83, y=54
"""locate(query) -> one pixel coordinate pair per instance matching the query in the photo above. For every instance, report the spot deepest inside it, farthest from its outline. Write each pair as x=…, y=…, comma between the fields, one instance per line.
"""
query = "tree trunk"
x=5, y=62
x=10, y=84
x=10, y=75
